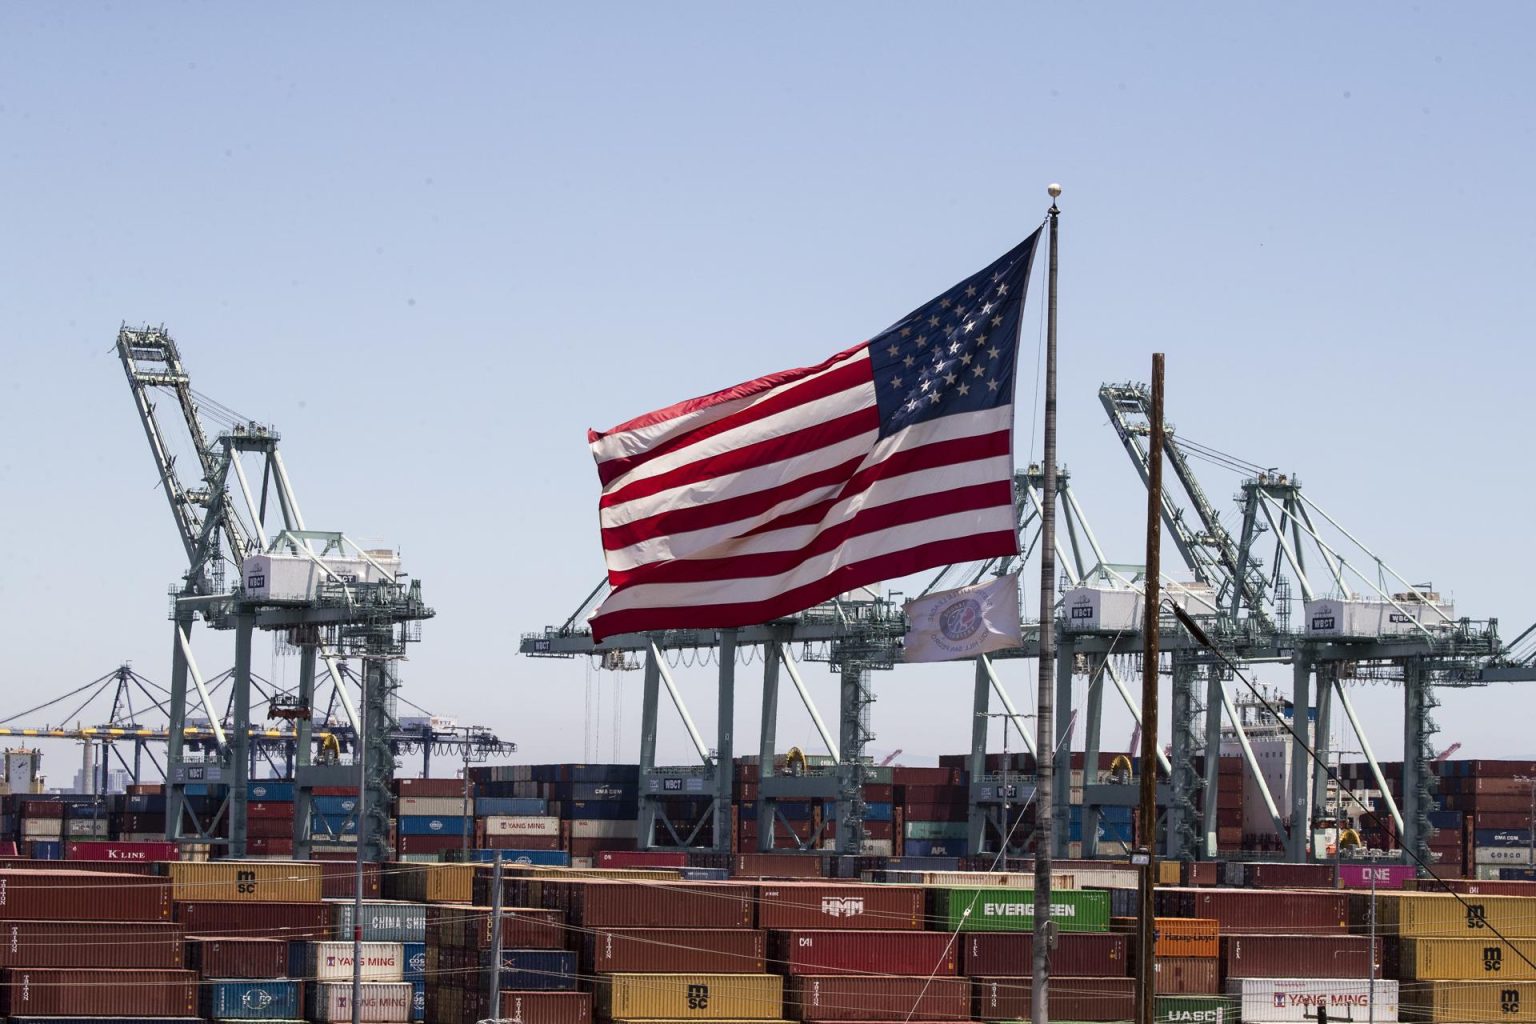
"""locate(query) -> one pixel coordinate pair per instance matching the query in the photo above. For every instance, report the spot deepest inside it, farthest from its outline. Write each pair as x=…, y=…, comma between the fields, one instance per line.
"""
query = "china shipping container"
x=847, y=905
x=256, y=920
x=547, y=1007
x=237, y=957
x=647, y=950
x=382, y=921
x=90, y=944
x=1303, y=956
x=1186, y=976
x=1077, y=954
x=248, y=999
x=1296, y=1000
x=246, y=881
x=1075, y=999
x=60, y=895
x=865, y=952
x=659, y=996
x=96, y=992
x=382, y=1002
x=1012, y=910
x=1462, y=959
x=876, y=997
x=659, y=905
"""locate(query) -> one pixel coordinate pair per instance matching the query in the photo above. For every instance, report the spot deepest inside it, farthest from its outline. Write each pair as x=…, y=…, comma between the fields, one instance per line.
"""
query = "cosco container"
x=332, y=961
x=1077, y=954
x=1283, y=1000
x=1067, y=999
x=830, y=905
x=89, y=944
x=865, y=952
x=869, y=997
x=547, y=1007
x=415, y=959
x=244, y=999
x=246, y=881
x=382, y=921
x=237, y=957
x=95, y=992
x=382, y=1002
x=1013, y=910
x=1468, y=1000
x=256, y=920
x=659, y=905
x=1465, y=959
x=61, y=895
x=1289, y=956
x=536, y=970
x=646, y=950
x=659, y=996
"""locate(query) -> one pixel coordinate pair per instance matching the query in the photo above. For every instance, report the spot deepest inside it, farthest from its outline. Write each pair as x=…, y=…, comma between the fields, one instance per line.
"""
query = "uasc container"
x=1194, y=1010
x=247, y=881
x=659, y=996
x=646, y=950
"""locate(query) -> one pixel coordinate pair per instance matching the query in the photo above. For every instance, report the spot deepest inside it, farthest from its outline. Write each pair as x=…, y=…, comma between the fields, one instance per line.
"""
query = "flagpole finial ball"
x=1054, y=189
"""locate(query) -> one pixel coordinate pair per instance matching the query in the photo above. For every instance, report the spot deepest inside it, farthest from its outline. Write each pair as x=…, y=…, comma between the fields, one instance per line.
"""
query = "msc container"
x=865, y=952
x=1068, y=999
x=1423, y=915
x=246, y=881
x=244, y=999
x=547, y=1007
x=1309, y=956
x=1297, y=999
x=830, y=905
x=1468, y=1000
x=1194, y=1010
x=82, y=896
x=89, y=944
x=1077, y=954
x=1465, y=959
x=1186, y=975
x=1013, y=910
x=1265, y=911
x=382, y=920
x=871, y=997
x=332, y=961
x=646, y=950
x=237, y=957
x=658, y=996
x=660, y=905
x=256, y=920
x=382, y=1002
x=47, y=991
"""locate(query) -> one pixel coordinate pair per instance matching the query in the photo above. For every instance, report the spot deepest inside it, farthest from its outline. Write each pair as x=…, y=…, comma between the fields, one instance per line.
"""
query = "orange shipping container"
x=1178, y=936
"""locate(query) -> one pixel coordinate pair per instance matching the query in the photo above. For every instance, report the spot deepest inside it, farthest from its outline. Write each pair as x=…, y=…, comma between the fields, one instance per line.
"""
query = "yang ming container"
x=92, y=992
x=246, y=999
x=1074, y=999
x=1013, y=910
x=1290, y=956
x=1077, y=954
x=862, y=952
x=382, y=1002
x=247, y=881
x=662, y=996
x=646, y=950
x=830, y=905
x=237, y=957
x=850, y=997
x=332, y=961
x=1296, y=1000
x=90, y=944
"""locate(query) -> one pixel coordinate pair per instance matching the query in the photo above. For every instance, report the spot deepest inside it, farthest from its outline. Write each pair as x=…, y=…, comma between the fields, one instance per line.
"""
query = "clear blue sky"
x=434, y=244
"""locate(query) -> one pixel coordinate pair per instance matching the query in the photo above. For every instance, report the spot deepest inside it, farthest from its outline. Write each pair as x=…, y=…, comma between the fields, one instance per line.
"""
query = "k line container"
x=1289, y=956
x=1077, y=954
x=332, y=961
x=245, y=999
x=247, y=881
x=47, y=991
x=90, y=944
x=256, y=920
x=1284, y=1000
x=848, y=905
x=382, y=1002
x=876, y=998
x=237, y=957
x=547, y=1007
x=1465, y=959
x=646, y=950
x=1068, y=999
x=659, y=996
x=865, y=952
x=82, y=896
x=1469, y=1000
x=1012, y=910
x=660, y=905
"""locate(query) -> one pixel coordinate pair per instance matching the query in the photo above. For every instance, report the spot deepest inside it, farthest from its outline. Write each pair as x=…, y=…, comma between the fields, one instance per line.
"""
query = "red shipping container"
x=270, y=810
x=83, y=896
x=879, y=792
x=643, y=859
x=237, y=957
x=42, y=809
x=1265, y=911
x=1297, y=956
x=865, y=952
x=544, y=1007
x=1186, y=976
x=338, y=877
x=1292, y=876
x=660, y=905
x=1077, y=954
x=850, y=905
x=90, y=944
x=428, y=844
x=936, y=812
x=256, y=920
x=263, y=847
x=1078, y=999
x=666, y=950
x=91, y=992
x=131, y=852
x=521, y=843
x=777, y=865
x=925, y=776
x=269, y=828
x=872, y=998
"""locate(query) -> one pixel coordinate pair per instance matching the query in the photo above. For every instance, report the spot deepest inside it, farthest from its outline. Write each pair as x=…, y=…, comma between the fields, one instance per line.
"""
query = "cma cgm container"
x=850, y=997
x=645, y=950
x=94, y=992
x=90, y=944
x=1013, y=910
x=237, y=957
x=247, y=881
x=1077, y=954
x=82, y=896
x=382, y=1002
x=1465, y=959
x=1285, y=1000
x=862, y=952
x=829, y=905
x=246, y=999
x=547, y=1007
x=658, y=905
x=659, y=996
x=1308, y=956
x=1469, y=1000
x=1079, y=999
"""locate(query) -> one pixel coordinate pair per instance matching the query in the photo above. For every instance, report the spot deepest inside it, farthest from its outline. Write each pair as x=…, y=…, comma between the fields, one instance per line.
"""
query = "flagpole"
x=1045, y=746
x=1147, y=835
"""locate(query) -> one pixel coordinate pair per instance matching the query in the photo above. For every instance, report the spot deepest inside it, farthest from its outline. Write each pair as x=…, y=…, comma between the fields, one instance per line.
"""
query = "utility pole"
x=1147, y=854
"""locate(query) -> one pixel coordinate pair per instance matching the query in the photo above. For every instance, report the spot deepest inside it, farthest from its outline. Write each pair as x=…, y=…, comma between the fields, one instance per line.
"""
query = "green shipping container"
x=995, y=909
x=1194, y=1010
x=936, y=829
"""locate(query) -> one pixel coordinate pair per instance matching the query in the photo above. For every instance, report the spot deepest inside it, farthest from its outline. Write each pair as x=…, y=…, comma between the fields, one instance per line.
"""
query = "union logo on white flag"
x=965, y=622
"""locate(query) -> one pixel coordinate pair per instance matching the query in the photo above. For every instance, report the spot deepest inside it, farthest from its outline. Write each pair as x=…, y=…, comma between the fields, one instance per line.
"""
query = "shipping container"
x=96, y=992
x=600, y=903
x=1424, y=915
x=120, y=851
x=1264, y=911
x=777, y=865
x=1077, y=954
x=1290, y=956
x=237, y=957
x=1464, y=959
x=1296, y=1000
x=1186, y=975
x=654, y=950
x=246, y=881
x=875, y=998
x=382, y=1002
x=255, y=920
x=62, y=895
x=431, y=787
x=1067, y=999
x=382, y=920
x=520, y=825
x=848, y=905
x=1176, y=936
x=332, y=961
x=547, y=1007
x=1011, y=910
x=657, y=996
x=245, y=999
x=1474, y=1001
x=90, y=944
x=1194, y=1010
x=865, y=952
x=535, y=970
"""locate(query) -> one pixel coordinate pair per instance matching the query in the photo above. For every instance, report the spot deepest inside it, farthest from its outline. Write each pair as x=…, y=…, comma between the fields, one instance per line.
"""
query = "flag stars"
x=944, y=303
x=964, y=389
x=993, y=353
x=922, y=341
x=970, y=325
x=933, y=321
x=997, y=321
x=970, y=291
x=954, y=347
x=893, y=351
x=949, y=378
x=908, y=362
x=965, y=358
x=979, y=370
x=1002, y=289
x=895, y=382
x=934, y=398
x=907, y=330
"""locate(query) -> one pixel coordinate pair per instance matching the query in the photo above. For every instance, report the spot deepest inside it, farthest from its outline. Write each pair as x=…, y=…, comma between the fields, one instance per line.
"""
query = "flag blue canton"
x=956, y=353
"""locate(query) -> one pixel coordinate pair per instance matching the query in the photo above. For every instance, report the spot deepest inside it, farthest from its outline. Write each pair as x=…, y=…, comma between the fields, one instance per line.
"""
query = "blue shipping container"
x=603, y=810
x=1445, y=819
x=431, y=825
x=879, y=812
x=536, y=970
x=419, y=1000
x=277, y=999
x=704, y=874
x=918, y=849
x=517, y=806
x=917, y=863
x=543, y=858
x=414, y=956
x=1516, y=837
x=333, y=806
x=274, y=790
x=629, y=773
x=45, y=849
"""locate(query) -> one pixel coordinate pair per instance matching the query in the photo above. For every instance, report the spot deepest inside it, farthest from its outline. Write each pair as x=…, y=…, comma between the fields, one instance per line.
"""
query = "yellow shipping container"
x=690, y=996
x=246, y=881
x=1426, y=916
x=450, y=883
x=1468, y=1002
x=1467, y=959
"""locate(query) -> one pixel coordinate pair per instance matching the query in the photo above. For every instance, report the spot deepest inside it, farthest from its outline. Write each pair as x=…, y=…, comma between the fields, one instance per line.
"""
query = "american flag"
x=764, y=499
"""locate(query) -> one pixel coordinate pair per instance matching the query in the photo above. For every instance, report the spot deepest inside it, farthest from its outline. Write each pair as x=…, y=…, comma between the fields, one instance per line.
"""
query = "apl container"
x=382, y=921
x=246, y=881
x=382, y=1002
x=1284, y=1000
x=245, y=999
x=659, y=996
x=865, y=952
x=1077, y=954
x=830, y=905
x=646, y=950
x=1287, y=956
x=1013, y=910
x=1067, y=999
x=90, y=944
x=872, y=998
x=332, y=961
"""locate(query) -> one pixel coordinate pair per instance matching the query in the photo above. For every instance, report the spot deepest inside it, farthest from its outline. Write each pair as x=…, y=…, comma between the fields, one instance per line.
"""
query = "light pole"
x=1530, y=825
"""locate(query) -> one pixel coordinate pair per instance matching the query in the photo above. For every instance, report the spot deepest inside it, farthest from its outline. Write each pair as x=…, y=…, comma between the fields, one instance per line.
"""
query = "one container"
x=1012, y=910
x=660, y=905
x=646, y=950
x=1068, y=999
x=91, y=992
x=247, y=881
x=237, y=957
x=256, y=920
x=659, y=996
x=245, y=999
x=382, y=1002
x=825, y=905
x=1077, y=954
x=382, y=921
x=871, y=998
x=1466, y=959
x=332, y=961
x=1186, y=975
x=1289, y=956
x=865, y=952
x=1468, y=1000
x=1284, y=1000
x=547, y=1007
x=90, y=944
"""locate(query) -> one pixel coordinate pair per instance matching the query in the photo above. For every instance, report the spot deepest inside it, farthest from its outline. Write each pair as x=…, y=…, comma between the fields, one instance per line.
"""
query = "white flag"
x=964, y=623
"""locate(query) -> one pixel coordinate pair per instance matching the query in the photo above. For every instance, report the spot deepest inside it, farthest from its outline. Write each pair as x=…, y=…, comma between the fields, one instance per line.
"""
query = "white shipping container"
x=1287, y=1000
x=521, y=825
x=85, y=828
x=603, y=828
x=43, y=828
x=332, y=961
x=1503, y=856
x=382, y=1002
x=431, y=806
x=1101, y=610
x=1356, y=618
